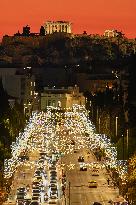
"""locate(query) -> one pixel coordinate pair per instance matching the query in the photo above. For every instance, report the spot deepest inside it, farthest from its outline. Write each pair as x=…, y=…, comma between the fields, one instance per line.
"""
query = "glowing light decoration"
x=54, y=131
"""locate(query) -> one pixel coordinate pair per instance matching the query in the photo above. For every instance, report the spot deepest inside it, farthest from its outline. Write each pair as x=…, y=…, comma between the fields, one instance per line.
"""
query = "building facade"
x=94, y=82
x=57, y=26
x=20, y=86
x=110, y=33
x=63, y=97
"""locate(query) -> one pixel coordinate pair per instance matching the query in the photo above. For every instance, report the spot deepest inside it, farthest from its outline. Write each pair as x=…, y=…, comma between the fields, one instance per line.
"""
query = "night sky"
x=93, y=16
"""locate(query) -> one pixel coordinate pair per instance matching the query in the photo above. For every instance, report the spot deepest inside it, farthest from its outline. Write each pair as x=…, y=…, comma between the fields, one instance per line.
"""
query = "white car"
x=53, y=181
x=95, y=172
x=35, y=199
x=52, y=201
x=54, y=193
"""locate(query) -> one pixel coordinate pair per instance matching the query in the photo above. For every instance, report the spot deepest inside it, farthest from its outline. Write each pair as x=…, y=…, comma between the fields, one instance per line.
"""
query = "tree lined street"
x=59, y=153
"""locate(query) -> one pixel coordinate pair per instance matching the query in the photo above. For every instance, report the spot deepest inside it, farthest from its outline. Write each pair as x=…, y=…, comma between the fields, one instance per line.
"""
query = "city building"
x=30, y=41
x=99, y=82
x=63, y=97
x=94, y=82
x=20, y=85
x=110, y=33
x=57, y=26
x=37, y=39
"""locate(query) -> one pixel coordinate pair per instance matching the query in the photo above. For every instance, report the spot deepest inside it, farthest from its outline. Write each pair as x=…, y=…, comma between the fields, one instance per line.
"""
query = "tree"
x=4, y=105
x=26, y=31
x=42, y=31
x=131, y=88
x=131, y=179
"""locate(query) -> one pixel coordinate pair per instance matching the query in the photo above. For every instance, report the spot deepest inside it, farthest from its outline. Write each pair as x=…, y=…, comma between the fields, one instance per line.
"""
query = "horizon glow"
x=92, y=16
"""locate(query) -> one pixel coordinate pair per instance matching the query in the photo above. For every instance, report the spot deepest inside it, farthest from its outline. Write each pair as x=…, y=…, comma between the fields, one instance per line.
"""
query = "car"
x=35, y=184
x=42, y=157
x=42, y=188
x=41, y=169
x=37, y=187
x=76, y=150
x=46, y=198
x=36, y=191
x=53, y=181
x=97, y=203
x=95, y=172
x=53, y=189
x=52, y=168
x=22, y=193
x=52, y=185
x=39, y=177
x=54, y=192
x=27, y=201
x=28, y=187
x=21, y=190
x=36, y=194
x=92, y=184
x=35, y=199
x=37, y=173
x=41, y=160
x=53, y=197
x=83, y=168
x=80, y=159
x=53, y=177
x=96, y=165
x=42, y=153
x=72, y=142
x=54, y=173
x=20, y=197
x=34, y=203
x=52, y=163
x=52, y=201
x=18, y=202
x=23, y=158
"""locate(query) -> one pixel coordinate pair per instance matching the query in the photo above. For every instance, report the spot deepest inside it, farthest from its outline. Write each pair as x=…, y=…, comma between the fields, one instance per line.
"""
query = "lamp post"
x=69, y=192
x=99, y=122
x=123, y=148
x=127, y=143
x=92, y=113
x=97, y=114
x=116, y=127
x=29, y=106
x=25, y=107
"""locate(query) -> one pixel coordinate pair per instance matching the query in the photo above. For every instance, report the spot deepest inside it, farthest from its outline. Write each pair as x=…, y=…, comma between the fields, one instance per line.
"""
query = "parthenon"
x=57, y=26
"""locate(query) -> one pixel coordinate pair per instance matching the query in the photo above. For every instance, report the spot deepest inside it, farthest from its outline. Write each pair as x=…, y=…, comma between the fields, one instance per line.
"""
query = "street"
x=61, y=156
x=79, y=191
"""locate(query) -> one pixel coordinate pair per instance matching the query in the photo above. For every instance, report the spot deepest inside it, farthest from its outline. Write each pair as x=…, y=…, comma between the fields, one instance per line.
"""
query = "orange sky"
x=94, y=16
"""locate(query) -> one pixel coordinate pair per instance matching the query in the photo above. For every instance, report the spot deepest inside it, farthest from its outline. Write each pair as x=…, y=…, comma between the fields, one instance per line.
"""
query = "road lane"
x=78, y=189
x=80, y=193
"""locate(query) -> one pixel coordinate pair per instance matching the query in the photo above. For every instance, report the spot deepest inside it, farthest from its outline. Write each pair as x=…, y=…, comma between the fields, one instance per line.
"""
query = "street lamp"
x=99, y=122
x=127, y=143
x=69, y=192
x=25, y=107
x=116, y=126
x=29, y=106
x=123, y=148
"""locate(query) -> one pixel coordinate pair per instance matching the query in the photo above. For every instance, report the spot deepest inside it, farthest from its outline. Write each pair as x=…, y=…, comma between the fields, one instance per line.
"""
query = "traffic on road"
x=57, y=164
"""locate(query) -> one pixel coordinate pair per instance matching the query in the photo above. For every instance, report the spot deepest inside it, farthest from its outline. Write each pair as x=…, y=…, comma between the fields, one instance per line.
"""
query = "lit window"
x=31, y=83
x=31, y=92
